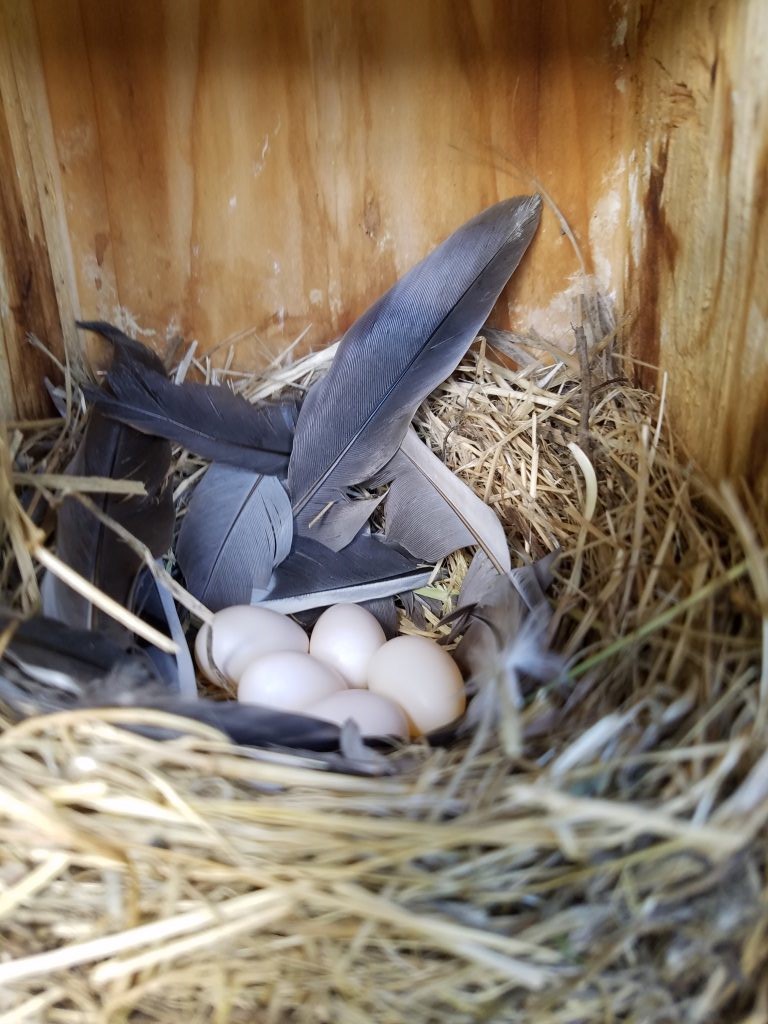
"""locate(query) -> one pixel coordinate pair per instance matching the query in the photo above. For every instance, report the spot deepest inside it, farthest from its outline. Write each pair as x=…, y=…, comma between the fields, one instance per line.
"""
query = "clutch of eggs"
x=347, y=669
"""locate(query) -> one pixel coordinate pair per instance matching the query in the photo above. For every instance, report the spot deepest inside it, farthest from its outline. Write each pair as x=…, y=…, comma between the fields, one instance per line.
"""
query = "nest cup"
x=621, y=803
x=595, y=849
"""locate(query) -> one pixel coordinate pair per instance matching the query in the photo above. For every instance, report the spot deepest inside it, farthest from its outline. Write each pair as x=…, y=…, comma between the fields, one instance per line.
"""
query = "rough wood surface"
x=37, y=292
x=244, y=169
x=697, y=262
x=240, y=170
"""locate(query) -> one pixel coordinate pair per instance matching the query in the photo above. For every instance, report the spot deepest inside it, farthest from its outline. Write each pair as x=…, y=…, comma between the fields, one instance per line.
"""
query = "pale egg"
x=288, y=680
x=242, y=633
x=346, y=636
x=422, y=678
x=373, y=714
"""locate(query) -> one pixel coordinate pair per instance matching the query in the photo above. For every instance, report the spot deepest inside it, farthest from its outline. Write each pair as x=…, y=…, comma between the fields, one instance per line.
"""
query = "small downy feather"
x=503, y=644
x=530, y=581
x=87, y=545
x=396, y=354
x=313, y=576
x=210, y=420
x=237, y=528
x=430, y=512
x=504, y=633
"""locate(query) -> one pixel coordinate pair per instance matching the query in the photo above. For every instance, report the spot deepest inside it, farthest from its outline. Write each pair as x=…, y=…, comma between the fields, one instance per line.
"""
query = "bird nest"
x=597, y=853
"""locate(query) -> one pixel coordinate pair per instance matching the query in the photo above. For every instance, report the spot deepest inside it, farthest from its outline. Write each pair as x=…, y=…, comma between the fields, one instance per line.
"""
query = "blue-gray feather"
x=237, y=528
x=355, y=418
x=313, y=576
x=210, y=420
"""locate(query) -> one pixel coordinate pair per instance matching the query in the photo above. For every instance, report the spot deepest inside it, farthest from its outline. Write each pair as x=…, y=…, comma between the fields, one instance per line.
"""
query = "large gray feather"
x=313, y=576
x=237, y=528
x=91, y=548
x=354, y=419
x=210, y=420
x=430, y=512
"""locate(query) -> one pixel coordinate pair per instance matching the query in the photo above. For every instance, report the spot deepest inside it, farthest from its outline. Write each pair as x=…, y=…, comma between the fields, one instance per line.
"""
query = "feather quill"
x=155, y=604
x=397, y=353
x=430, y=512
x=82, y=541
x=237, y=528
x=210, y=420
x=313, y=576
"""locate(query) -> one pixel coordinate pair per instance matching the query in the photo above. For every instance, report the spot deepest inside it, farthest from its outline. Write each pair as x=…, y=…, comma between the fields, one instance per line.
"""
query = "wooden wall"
x=696, y=266
x=245, y=169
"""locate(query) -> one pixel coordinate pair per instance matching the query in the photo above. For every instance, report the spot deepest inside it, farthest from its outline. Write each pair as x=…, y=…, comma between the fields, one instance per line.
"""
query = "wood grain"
x=239, y=169
x=36, y=286
x=697, y=263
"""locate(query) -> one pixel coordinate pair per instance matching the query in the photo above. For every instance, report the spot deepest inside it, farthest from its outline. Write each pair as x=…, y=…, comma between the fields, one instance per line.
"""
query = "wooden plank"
x=36, y=291
x=243, y=169
x=697, y=263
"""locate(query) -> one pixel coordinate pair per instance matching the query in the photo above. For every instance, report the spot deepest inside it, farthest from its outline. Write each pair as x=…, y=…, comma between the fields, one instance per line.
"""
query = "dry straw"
x=614, y=870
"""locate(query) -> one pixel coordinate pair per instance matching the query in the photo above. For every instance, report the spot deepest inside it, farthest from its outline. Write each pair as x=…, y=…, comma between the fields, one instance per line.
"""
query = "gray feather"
x=237, y=528
x=384, y=610
x=430, y=512
x=62, y=658
x=313, y=576
x=82, y=541
x=246, y=724
x=507, y=622
x=125, y=349
x=210, y=420
x=354, y=419
x=479, y=578
x=48, y=667
x=530, y=581
x=338, y=525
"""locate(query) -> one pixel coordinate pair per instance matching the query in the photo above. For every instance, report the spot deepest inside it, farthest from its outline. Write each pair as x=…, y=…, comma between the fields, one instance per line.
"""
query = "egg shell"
x=346, y=637
x=373, y=714
x=241, y=634
x=422, y=678
x=288, y=680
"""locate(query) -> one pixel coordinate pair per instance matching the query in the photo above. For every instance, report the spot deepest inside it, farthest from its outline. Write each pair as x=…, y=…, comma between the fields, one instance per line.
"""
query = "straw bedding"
x=600, y=855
